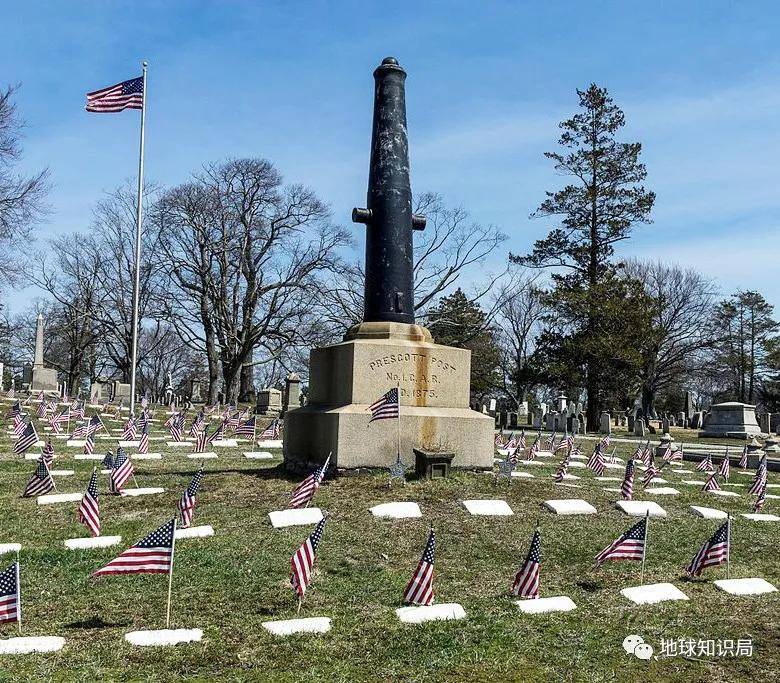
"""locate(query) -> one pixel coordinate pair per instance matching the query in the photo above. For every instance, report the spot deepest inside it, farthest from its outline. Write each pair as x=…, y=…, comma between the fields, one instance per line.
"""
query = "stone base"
x=312, y=432
x=44, y=379
x=346, y=378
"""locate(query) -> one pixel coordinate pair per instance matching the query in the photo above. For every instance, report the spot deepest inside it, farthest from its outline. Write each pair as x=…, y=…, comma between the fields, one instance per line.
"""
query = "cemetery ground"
x=232, y=582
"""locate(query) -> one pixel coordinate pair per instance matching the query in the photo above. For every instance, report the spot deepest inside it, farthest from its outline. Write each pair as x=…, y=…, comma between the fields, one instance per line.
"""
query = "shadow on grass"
x=590, y=586
x=95, y=622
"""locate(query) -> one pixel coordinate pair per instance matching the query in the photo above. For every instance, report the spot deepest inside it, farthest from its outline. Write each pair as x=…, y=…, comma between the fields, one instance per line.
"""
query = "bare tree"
x=518, y=320
x=682, y=308
x=245, y=253
x=21, y=196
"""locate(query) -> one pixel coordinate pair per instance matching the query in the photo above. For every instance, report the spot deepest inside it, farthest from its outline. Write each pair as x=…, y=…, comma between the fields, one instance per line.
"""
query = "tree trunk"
x=246, y=390
x=648, y=401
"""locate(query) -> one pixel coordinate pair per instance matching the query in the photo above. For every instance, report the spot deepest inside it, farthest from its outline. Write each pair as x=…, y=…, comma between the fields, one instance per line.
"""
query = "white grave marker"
x=423, y=613
x=24, y=646
x=640, y=508
x=498, y=508
x=572, y=506
x=560, y=603
x=708, y=513
x=294, y=517
x=653, y=593
x=287, y=627
x=164, y=637
x=753, y=586
x=400, y=510
x=90, y=543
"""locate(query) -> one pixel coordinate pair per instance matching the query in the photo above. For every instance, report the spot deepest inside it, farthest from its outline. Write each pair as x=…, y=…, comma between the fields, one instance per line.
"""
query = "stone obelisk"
x=43, y=379
x=388, y=349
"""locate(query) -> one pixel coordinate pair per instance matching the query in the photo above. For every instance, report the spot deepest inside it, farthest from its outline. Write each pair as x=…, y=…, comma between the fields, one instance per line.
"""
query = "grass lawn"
x=229, y=584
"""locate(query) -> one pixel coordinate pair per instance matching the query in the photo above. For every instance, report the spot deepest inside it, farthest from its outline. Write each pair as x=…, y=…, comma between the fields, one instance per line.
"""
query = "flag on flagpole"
x=705, y=465
x=725, y=467
x=715, y=551
x=629, y=546
x=627, y=487
x=759, y=481
x=386, y=407
x=419, y=590
x=89, y=510
x=743, y=460
x=273, y=431
x=189, y=499
x=526, y=583
x=712, y=483
x=10, y=599
x=125, y=95
x=761, y=500
x=302, y=561
x=123, y=470
x=246, y=428
x=151, y=555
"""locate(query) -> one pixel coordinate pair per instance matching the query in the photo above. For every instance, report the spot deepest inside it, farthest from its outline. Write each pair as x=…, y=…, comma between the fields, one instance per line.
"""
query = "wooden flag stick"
x=644, y=546
x=728, y=546
x=18, y=594
x=300, y=602
x=170, y=577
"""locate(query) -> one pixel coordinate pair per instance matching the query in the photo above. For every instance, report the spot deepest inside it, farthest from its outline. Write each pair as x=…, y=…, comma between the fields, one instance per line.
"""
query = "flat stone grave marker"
x=653, y=593
x=75, y=443
x=225, y=443
x=611, y=489
x=204, y=531
x=639, y=508
x=88, y=456
x=208, y=455
x=760, y=517
x=576, y=464
x=559, y=603
x=288, y=627
x=569, y=477
x=54, y=498
x=613, y=466
x=570, y=506
x=659, y=480
x=294, y=517
x=164, y=637
x=28, y=645
x=90, y=543
x=724, y=494
x=143, y=491
x=544, y=454
x=683, y=471
x=772, y=495
x=146, y=456
x=258, y=455
x=693, y=482
x=498, y=508
x=179, y=444
x=270, y=443
x=10, y=548
x=608, y=479
x=400, y=510
x=524, y=475
x=129, y=444
x=418, y=615
x=773, y=486
x=708, y=513
x=532, y=462
x=753, y=586
x=662, y=491
x=61, y=473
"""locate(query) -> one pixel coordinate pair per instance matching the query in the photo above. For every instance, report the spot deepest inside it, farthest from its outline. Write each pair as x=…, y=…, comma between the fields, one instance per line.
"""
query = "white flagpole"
x=644, y=547
x=728, y=546
x=137, y=260
x=170, y=577
x=18, y=594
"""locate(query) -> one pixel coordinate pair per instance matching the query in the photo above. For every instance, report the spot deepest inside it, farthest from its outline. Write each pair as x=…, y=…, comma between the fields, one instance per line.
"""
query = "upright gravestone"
x=689, y=407
x=630, y=424
x=269, y=401
x=42, y=378
x=730, y=420
x=665, y=425
x=388, y=350
x=292, y=392
x=605, y=425
x=639, y=427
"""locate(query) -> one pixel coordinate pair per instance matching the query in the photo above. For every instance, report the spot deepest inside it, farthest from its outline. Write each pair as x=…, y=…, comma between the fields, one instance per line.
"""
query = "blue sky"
x=488, y=82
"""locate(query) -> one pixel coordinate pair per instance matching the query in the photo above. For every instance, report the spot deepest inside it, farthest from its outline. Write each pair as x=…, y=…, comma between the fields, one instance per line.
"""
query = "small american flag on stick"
x=189, y=499
x=419, y=590
x=27, y=439
x=629, y=546
x=305, y=491
x=10, y=600
x=386, y=407
x=89, y=511
x=40, y=482
x=526, y=583
x=627, y=487
x=125, y=95
x=714, y=552
x=303, y=560
x=151, y=555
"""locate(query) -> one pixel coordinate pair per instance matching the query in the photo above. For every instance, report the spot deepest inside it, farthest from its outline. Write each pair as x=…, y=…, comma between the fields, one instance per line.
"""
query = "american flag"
x=714, y=552
x=273, y=431
x=563, y=468
x=759, y=504
x=95, y=424
x=41, y=409
x=302, y=561
x=650, y=473
x=200, y=440
x=667, y=453
x=419, y=590
x=89, y=444
x=197, y=423
x=647, y=456
x=176, y=427
x=10, y=599
x=305, y=491
x=596, y=461
x=386, y=407
x=521, y=441
x=89, y=511
x=630, y=546
x=78, y=413
x=40, y=482
x=712, y=483
x=233, y=420
x=124, y=95
x=47, y=453
x=526, y=583
x=189, y=499
x=725, y=467
x=550, y=441
x=218, y=434
x=705, y=465
x=128, y=433
x=498, y=440
x=19, y=425
x=11, y=392
x=122, y=472
x=566, y=442
x=143, y=442
x=108, y=461
x=79, y=432
x=604, y=443
x=743, y=460
x=28, y=438
x=151, y=555
x=761, y=477
x=627, y=487
x=15, y=409
x=246, y=428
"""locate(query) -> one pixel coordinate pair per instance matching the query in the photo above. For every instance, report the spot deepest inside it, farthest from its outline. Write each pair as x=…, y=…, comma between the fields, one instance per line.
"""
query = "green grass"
x=229, y=584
